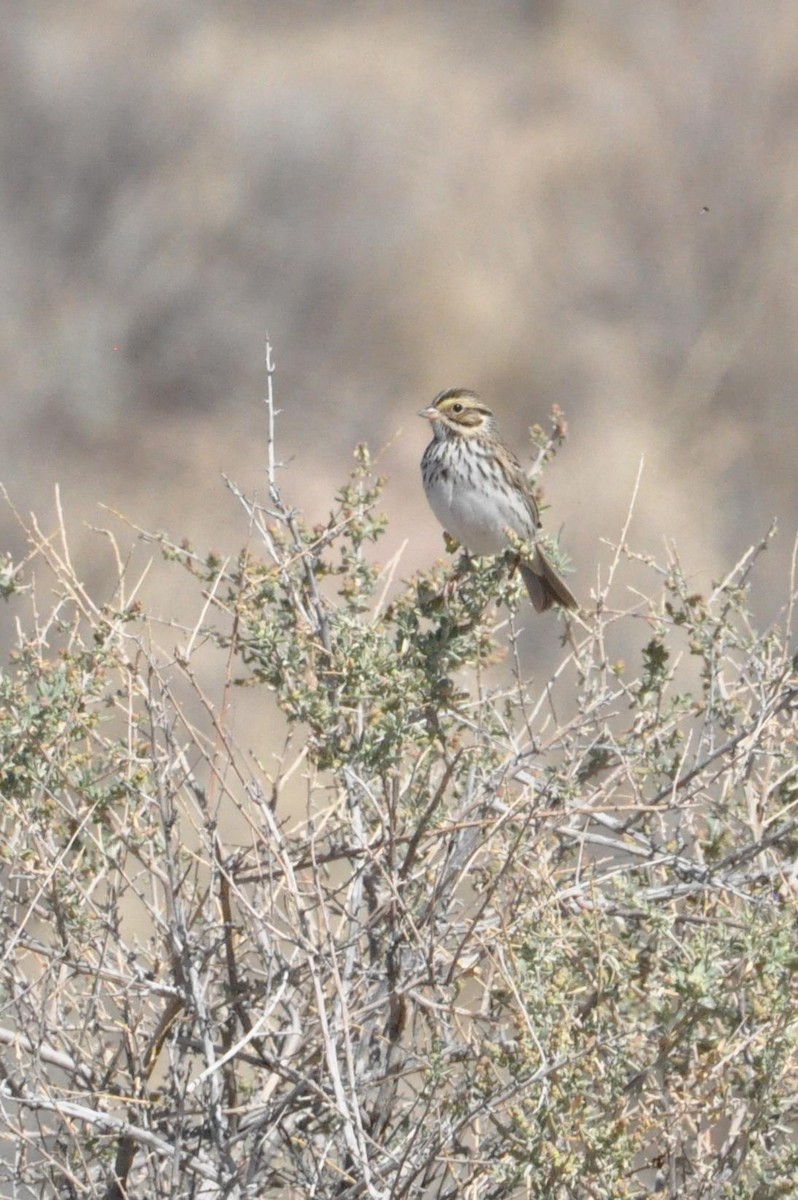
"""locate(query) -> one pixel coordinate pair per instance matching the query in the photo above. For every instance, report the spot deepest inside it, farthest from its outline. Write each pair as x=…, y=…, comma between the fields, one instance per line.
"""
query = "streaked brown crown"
x=461, y=410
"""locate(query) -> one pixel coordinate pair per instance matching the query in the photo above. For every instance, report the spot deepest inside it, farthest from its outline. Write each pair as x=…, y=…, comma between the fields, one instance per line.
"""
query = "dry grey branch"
x=445, y=930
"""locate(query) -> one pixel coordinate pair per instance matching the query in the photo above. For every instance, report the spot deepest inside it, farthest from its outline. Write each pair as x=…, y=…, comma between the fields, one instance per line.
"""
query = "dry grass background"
x=588, y=203
x=582, y=202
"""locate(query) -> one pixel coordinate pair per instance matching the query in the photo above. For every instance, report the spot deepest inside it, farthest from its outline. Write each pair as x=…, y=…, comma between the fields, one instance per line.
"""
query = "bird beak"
x=430, y=413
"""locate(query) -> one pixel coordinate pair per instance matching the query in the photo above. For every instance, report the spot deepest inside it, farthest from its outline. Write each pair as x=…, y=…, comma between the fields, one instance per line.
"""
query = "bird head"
x=458, y=410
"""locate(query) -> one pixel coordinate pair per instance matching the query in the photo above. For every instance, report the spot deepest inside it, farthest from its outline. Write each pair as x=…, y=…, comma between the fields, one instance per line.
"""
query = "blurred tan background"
x=588, y=202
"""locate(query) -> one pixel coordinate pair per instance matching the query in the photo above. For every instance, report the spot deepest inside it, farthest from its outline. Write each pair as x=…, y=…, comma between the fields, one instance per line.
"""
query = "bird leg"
x=461, y=569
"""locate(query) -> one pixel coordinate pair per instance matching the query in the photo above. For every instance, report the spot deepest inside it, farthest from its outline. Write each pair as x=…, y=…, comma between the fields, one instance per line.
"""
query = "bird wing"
x=516, y=477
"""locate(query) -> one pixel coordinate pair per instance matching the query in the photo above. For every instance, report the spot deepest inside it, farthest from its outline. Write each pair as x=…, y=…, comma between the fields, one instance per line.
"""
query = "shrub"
x=519, y=937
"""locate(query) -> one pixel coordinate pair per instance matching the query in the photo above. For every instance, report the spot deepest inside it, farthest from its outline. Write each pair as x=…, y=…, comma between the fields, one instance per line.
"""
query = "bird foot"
x=460, y=571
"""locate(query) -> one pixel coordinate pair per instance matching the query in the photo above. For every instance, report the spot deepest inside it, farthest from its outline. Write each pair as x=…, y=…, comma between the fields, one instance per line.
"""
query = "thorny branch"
x=434, y=928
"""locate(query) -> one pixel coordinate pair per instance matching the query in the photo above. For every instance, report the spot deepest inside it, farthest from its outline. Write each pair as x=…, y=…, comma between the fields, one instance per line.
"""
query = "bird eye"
x=457, y=408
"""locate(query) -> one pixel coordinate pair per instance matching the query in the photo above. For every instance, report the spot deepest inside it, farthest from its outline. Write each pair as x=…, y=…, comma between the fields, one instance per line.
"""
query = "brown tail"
x=545, y=586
